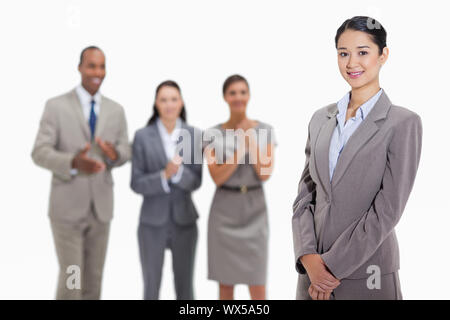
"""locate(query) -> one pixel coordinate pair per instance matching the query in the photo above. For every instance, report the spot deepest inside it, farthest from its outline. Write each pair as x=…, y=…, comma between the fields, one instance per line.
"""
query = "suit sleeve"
x=45, y=153
x=362, y=238
x=122, y=145
x=142, y=181
x=303, y=218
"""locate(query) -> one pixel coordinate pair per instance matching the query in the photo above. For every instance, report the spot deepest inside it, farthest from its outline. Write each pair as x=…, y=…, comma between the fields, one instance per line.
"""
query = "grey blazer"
x=149, y=158
x=63, y=132
x=351, y=220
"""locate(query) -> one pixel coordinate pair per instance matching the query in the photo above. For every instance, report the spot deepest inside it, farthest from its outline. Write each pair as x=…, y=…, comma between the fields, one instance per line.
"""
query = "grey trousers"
x=80, y=246
x=357, y=289
x=182, y=241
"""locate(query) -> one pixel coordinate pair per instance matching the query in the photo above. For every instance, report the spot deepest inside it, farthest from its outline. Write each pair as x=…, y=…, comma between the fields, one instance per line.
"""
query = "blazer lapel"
x=322, y=147
x=76, y=106
x=361, y=136
x=102, y=117
x=157, y=145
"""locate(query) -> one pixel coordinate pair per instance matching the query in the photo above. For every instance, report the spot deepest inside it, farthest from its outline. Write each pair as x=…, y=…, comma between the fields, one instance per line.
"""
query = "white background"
x=284, y=48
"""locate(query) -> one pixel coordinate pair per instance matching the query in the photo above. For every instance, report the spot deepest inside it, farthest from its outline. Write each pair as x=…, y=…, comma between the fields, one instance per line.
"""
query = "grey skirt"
x=238, y=238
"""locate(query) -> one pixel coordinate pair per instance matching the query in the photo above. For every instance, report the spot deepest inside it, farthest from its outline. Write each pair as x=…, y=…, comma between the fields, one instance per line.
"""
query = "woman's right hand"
x=322, y=280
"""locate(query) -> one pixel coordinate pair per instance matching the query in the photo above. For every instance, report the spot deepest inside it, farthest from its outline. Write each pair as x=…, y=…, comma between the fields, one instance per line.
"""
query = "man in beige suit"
x=82, y=136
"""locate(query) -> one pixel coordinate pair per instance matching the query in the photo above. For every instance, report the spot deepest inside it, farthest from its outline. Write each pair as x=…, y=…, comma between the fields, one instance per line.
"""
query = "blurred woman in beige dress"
x=238, y=224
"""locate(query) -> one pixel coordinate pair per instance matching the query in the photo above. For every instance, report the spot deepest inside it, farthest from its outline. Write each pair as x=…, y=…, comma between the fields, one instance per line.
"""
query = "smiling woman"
x=238, y=221
x=346, y=211
x=362, y=51
x=166, y=176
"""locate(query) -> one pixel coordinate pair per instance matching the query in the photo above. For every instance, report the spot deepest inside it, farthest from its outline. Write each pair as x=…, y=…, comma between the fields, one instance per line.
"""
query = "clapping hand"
x=107, y=148
x=172, y=166
x=85, y=164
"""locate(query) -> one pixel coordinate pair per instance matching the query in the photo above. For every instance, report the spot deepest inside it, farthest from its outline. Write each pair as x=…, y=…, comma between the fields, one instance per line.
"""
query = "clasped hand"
x=322, y=281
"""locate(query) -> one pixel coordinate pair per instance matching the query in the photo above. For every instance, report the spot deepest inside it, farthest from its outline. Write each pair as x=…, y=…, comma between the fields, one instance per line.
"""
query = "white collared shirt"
x=169, y=141
x=345, y=129
x=85, y=101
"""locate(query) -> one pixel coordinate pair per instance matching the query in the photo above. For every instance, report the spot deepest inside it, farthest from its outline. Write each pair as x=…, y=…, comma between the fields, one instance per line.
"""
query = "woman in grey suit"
x=362, y=156
x=237, y=225
x=165, y=170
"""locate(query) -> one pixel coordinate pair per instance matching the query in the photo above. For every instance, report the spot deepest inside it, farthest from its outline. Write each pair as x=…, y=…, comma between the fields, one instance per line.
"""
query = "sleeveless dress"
x=238, y=223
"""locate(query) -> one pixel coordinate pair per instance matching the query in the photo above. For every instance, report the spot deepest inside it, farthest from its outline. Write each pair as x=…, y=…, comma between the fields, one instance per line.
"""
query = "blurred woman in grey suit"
x=362, y=156
x=238, y=224
x=165, y=170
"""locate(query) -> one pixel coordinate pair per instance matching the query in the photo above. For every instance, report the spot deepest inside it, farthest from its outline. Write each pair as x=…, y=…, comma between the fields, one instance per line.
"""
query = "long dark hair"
x=365, y=24
x=155, y=115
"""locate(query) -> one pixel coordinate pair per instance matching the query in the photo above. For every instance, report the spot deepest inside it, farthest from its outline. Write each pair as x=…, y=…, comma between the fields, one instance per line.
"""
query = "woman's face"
x=169, y=103
x=237, y=96
x=359, y=59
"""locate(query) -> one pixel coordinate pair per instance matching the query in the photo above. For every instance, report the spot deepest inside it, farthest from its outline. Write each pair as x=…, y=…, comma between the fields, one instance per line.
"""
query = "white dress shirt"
x=345, y=129
x=85, y=101
x=169, y=141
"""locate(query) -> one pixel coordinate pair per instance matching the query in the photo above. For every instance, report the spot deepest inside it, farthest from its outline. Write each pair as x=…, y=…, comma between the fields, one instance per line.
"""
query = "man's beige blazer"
x=63, y=132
